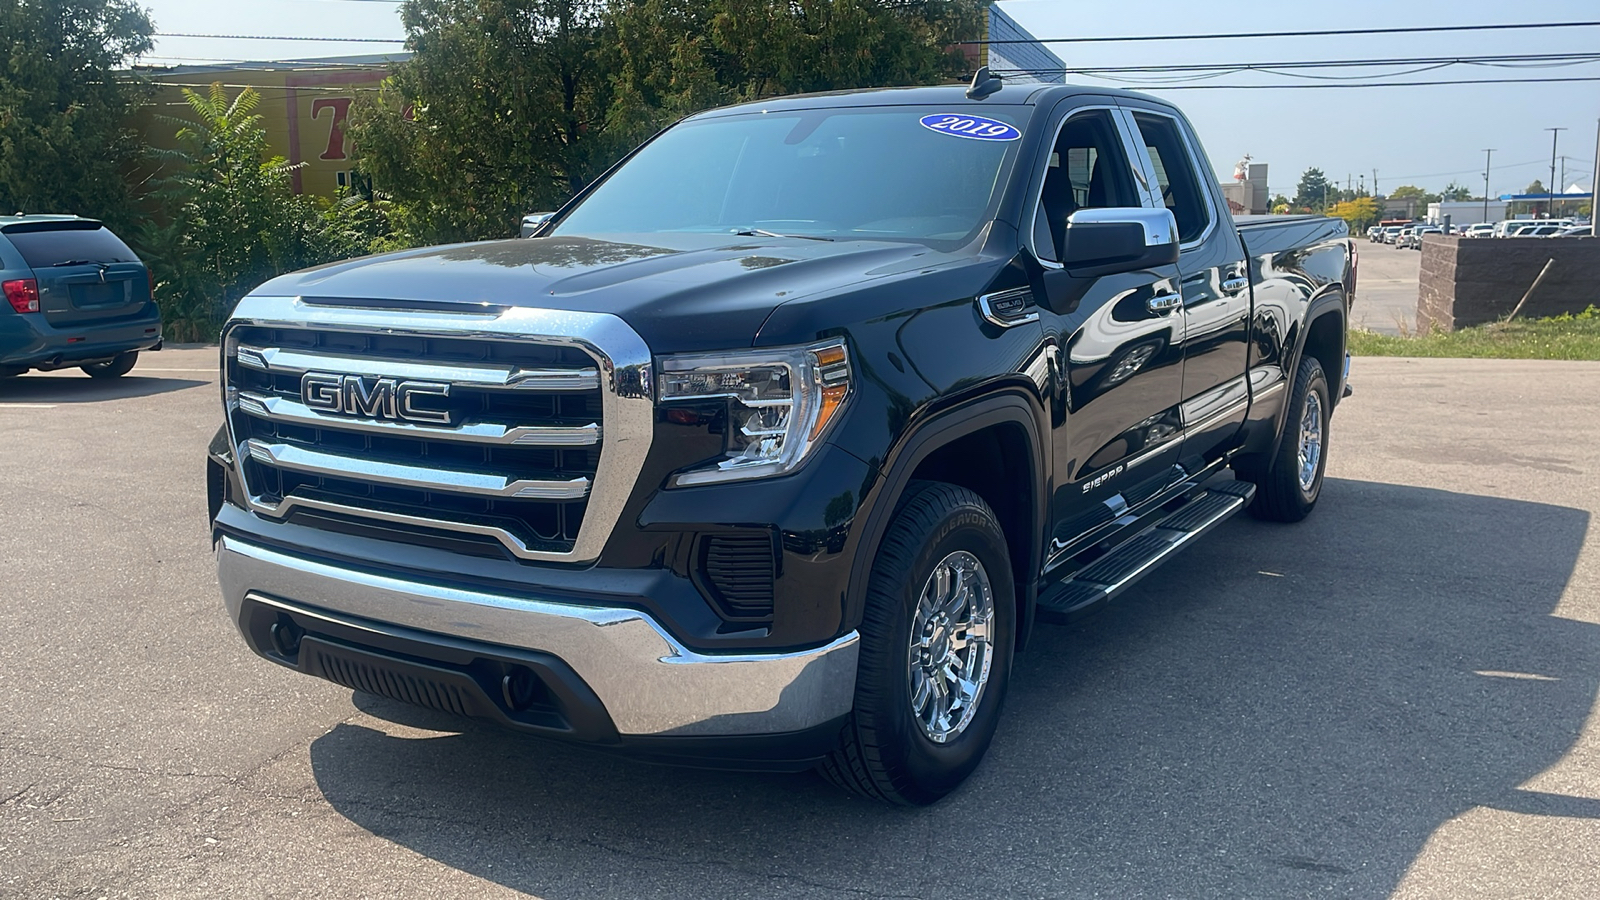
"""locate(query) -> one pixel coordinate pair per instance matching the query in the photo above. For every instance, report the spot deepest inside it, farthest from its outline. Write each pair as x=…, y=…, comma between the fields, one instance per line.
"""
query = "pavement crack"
x=96, y=764
x=12, y=797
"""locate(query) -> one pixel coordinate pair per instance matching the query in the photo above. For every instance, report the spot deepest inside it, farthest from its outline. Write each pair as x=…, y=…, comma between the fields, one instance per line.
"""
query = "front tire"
x=118, y=366
x=1288, y=490
x=937, y=639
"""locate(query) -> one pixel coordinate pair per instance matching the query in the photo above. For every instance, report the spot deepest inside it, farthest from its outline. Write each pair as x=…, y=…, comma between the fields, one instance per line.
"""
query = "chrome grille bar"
x=606, y=356
x=282, y=409
x=485, y=484
x=277, y=359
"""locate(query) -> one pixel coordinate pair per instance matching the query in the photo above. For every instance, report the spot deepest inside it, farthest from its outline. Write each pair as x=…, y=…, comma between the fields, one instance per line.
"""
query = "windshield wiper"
x=82, y=262
x=752, y=232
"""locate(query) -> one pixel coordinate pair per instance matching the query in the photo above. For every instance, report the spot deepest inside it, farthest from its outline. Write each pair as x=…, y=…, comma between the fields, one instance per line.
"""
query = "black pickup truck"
x=770, y=448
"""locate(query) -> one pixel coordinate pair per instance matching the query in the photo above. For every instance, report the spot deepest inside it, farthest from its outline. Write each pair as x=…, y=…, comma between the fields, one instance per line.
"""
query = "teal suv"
x=76, y=296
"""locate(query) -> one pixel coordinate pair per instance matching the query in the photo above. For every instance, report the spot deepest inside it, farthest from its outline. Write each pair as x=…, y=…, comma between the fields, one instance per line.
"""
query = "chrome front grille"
x=528, y=428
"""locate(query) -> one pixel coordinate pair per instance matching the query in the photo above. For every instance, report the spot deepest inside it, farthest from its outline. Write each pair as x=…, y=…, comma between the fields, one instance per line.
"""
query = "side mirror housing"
x=533, y=221
x=1119, y=239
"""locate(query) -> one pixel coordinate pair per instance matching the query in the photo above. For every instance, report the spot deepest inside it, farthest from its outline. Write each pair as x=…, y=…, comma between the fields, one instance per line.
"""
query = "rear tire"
x=941, y=571
x=1288, y=489
x=120, y=365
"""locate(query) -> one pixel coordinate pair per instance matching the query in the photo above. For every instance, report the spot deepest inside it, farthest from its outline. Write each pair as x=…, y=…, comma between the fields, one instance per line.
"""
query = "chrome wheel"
x=950, y=646
x=1310, y=440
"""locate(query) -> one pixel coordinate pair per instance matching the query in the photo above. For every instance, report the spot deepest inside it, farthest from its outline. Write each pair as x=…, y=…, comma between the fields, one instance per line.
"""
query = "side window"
x=1181, y=188
x=1088, y=169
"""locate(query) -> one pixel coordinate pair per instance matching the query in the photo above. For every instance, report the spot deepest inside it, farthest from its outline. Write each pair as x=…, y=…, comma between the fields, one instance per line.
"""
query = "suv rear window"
x=46, y=245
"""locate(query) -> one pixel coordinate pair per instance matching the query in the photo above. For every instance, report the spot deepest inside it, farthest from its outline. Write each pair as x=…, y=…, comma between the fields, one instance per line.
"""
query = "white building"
x=1465, y=212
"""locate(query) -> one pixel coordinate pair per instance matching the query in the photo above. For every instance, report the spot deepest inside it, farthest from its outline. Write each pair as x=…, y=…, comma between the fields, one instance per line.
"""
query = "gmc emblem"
x=373, y=398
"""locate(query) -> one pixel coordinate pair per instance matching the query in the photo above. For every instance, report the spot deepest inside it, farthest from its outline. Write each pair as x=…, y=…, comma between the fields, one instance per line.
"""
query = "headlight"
x=780, y=402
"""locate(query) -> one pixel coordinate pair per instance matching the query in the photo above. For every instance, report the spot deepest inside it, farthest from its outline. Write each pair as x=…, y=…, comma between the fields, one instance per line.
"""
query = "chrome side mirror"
x=532, y=221
x=1119, y=239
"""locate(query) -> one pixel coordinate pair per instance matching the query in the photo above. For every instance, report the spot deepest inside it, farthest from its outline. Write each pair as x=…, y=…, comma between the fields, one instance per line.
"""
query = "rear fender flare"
x=1328, y=302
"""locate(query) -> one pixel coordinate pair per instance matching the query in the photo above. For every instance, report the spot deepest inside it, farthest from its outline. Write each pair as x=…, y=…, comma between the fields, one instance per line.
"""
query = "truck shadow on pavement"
x=1285, y=711
x=59, y=389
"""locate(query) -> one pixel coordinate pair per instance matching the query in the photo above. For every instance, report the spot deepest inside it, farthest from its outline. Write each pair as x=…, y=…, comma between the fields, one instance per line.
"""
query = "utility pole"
x=1374, y=182
x=1361, y=185
x=1488, y=154
x=1555, y=135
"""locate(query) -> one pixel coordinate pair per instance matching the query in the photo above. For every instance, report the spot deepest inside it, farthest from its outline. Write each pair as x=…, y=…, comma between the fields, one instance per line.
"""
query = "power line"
x=1364, y=84
x=269, y=37
x=1489, y=59
x=1266, y=34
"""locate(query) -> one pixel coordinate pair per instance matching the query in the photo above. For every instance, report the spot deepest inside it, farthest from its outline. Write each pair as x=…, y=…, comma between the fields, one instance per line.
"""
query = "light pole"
x=1555, y=135
x=1488, y=154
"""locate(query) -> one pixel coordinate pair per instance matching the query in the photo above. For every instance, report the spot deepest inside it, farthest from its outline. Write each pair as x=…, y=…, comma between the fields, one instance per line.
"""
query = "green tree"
x=230, y=218
x=1313, y=190
x=501, y=110
x=511, y=106
x=1456, y=192
x=65, y=99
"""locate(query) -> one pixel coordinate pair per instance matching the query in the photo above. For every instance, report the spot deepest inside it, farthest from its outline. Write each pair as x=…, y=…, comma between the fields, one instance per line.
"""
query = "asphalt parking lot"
x=1394, y=698
x=1386, y=288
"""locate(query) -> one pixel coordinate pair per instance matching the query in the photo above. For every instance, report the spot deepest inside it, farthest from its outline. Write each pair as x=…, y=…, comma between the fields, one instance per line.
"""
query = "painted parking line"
x=157, y=369
x=28, y=405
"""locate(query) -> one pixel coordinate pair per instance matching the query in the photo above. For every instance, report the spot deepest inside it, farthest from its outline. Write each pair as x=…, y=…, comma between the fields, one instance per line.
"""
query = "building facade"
x=304, y=108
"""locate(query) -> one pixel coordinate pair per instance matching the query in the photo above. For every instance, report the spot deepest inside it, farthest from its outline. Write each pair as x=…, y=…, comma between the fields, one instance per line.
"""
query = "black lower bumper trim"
x=528, y=691
x=520, y=689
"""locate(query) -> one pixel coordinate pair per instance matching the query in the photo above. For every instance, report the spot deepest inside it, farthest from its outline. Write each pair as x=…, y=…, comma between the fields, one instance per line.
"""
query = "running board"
x=1113, y=573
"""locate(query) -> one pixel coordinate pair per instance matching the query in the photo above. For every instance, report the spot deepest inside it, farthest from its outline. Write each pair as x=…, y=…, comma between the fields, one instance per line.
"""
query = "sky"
x=1422, y=135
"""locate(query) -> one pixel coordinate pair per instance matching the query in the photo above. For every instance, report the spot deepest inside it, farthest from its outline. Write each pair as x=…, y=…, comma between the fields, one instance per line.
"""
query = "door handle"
x=1161, y=303
x=1235, y=284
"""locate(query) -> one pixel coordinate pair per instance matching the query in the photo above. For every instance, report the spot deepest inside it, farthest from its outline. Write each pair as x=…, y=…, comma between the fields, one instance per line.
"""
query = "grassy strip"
x=1561, y=337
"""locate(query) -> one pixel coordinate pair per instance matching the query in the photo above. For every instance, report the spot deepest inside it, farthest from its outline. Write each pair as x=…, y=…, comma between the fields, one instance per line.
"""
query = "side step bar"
x=1113, y=573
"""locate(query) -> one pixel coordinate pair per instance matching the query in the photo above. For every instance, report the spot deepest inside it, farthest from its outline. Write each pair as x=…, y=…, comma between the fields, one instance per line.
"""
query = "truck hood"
x=681, y=292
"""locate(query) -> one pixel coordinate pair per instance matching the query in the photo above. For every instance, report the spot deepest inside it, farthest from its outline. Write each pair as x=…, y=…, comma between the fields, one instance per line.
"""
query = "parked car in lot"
x=770, y=448
x=1574, y=231
x=1535, y=231
x=76, y=297
x=1480, y=230
x=1391, y=233
x=1375, y=233
x=1413, y=241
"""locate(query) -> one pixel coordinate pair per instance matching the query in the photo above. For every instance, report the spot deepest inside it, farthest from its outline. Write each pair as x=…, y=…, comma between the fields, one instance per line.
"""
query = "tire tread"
x=858, y=763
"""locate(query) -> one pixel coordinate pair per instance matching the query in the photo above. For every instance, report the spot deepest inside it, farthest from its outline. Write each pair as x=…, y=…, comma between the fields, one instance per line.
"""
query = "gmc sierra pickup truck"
x=770, y=447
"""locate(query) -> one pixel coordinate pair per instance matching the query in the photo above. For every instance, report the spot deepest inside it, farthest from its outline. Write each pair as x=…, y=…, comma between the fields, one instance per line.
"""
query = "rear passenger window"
x=1180, y=184
x=1088, y=170
x=45, y=245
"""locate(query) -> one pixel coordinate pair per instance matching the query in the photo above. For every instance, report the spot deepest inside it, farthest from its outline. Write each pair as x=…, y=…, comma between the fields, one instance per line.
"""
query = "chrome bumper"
x=648, y=682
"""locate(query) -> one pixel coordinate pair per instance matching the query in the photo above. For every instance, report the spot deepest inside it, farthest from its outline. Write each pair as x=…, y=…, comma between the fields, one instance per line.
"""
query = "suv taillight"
x=22, y=294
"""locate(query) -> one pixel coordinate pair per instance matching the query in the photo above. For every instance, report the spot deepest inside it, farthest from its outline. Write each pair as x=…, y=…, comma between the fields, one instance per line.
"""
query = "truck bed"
x=1264, y=235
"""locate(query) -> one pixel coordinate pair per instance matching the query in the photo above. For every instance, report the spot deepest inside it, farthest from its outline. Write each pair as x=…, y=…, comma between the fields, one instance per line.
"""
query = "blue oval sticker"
x=975, y=127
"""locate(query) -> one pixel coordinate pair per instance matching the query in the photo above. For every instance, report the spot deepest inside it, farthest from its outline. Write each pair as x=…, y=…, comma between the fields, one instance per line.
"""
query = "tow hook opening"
x=521, y=690
x=286, y=637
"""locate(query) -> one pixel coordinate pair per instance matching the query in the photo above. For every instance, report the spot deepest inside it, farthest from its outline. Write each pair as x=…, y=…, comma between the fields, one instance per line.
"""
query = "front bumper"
x=647, y=684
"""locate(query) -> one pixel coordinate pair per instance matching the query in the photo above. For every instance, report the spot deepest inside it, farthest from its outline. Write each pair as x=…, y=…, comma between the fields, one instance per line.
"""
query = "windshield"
x=896, y=172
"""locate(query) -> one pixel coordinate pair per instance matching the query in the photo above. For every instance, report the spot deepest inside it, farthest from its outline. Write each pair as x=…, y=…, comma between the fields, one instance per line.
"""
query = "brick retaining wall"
x=1471, y=281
